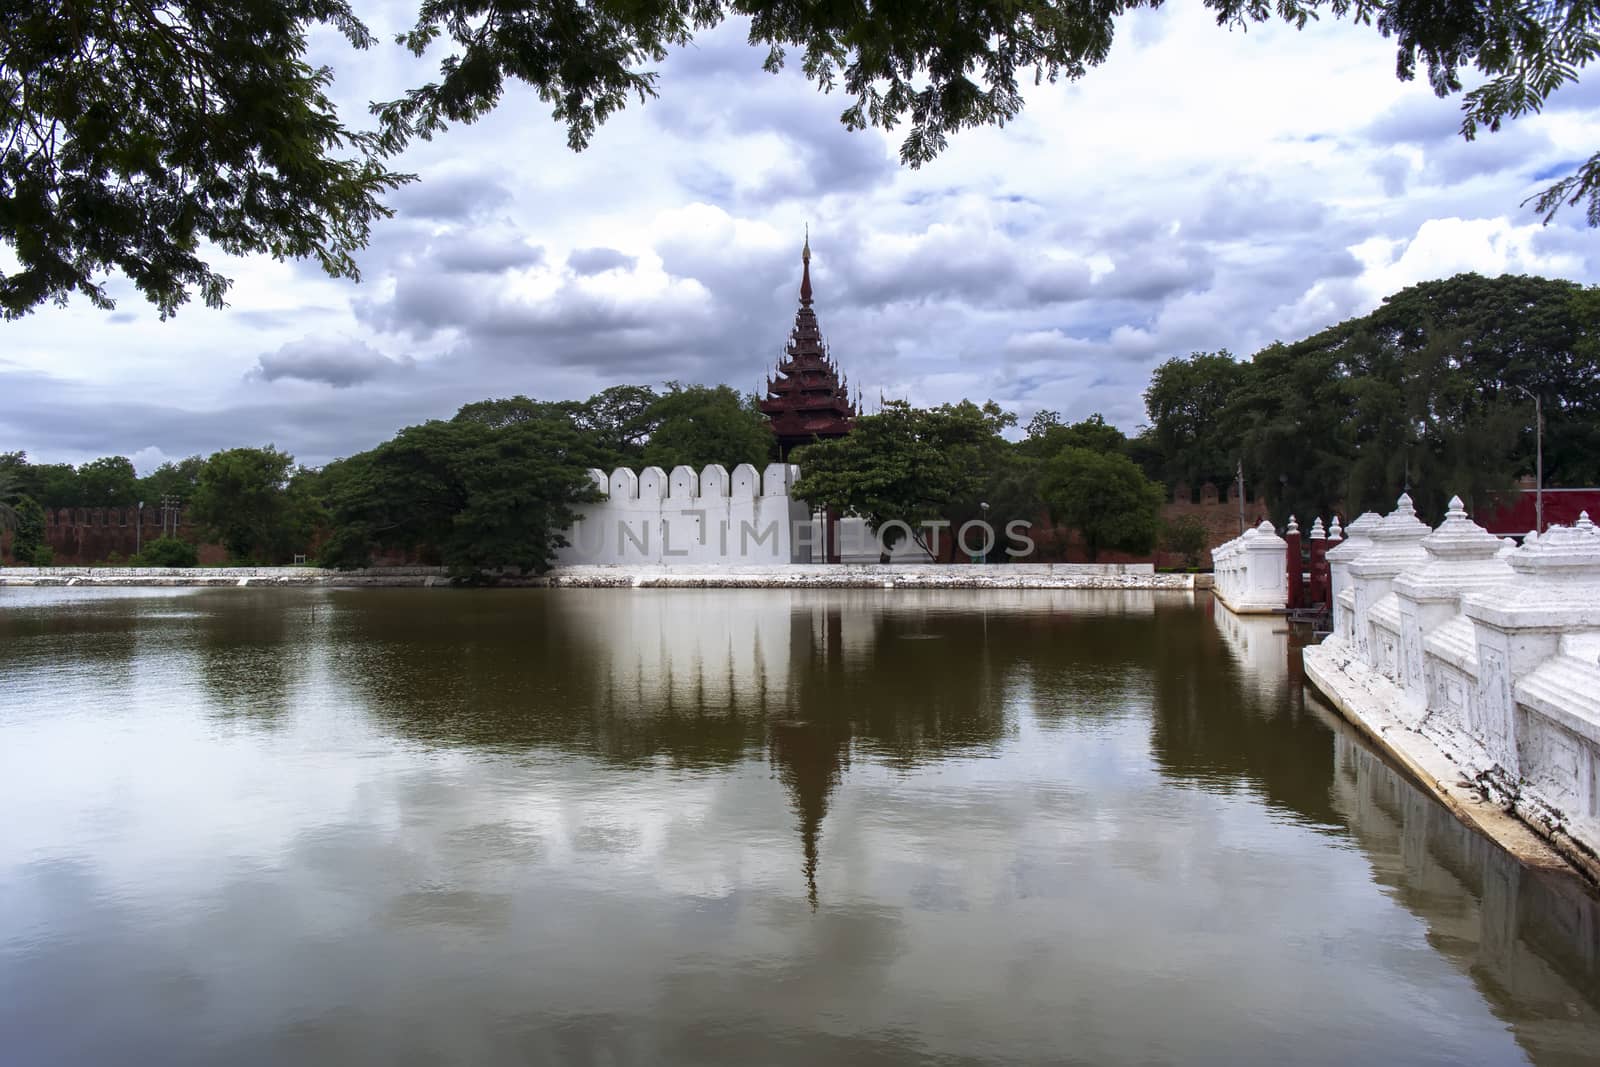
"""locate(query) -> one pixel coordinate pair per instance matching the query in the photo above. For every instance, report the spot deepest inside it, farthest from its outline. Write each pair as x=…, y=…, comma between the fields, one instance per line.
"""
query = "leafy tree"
x=1431, y=391
x=1045, y=439
x=695, y=425
x=1187, y=536
x=133, y=132
x=619, y=421
x=54, y=485
x=481, y=497
x=108, y=482
x=1105, y=498
x=27, y=528
x=177, y=479
x=908, y=464
x=169, y=552
x=242, y=500
x=10, y=494
x=1186, y=401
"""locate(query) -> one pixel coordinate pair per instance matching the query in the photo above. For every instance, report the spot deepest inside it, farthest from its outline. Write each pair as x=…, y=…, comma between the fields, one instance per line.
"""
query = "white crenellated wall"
x=1249, y=574
x=689, y=517
x=1450, y=645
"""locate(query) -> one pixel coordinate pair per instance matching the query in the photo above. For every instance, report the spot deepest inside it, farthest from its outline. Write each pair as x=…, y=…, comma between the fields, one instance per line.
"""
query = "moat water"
x=750, y=827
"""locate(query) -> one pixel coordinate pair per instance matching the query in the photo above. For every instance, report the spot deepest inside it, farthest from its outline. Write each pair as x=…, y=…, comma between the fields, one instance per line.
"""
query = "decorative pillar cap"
x=1317, y=532
x=1458, y=537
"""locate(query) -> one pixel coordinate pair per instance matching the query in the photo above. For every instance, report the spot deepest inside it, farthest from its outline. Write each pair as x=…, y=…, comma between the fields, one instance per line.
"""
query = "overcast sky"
x=1201, y=190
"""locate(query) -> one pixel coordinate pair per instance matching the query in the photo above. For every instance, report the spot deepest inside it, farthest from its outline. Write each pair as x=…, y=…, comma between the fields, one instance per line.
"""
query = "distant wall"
x=93, y=535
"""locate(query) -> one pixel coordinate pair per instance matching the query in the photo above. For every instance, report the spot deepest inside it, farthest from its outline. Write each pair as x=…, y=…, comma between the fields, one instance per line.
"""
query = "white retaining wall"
x=1250, y=573
x=1449, y=644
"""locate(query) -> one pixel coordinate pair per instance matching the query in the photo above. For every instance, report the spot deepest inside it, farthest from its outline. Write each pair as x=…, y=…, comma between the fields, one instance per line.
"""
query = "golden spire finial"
x=805, y=253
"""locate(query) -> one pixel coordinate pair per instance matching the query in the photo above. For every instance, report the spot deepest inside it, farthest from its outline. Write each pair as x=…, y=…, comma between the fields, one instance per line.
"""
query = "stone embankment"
x=1476, y=664
x=220, y=576
x=792, y=576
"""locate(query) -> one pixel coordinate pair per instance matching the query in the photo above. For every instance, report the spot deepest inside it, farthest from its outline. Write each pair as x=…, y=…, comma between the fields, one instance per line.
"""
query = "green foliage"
x=1431, y=390
x=1186, y=402
x=697, y=424
x=169, y=552
x=484, y=494
x=53, y=485
x=1187, y=536
x=242, y=499
x=43, y=556
x=908, y=464
x=1048, y=436
x=26, y=523
x=171, y=479
x=1105, y=497
x=134, y=132
x=108, y=482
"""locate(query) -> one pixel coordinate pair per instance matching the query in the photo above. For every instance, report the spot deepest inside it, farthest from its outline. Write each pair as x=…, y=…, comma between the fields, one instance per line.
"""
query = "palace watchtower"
x=806, y=398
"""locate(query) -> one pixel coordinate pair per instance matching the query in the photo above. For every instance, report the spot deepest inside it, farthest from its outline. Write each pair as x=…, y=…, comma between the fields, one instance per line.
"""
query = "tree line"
x=1431, y=392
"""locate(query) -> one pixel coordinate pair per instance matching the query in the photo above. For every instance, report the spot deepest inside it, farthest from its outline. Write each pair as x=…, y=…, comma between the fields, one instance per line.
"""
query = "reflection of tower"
x=810, y=755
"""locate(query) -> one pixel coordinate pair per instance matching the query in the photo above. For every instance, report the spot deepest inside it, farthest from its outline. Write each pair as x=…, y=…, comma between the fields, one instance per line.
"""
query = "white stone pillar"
x=1462, y=558
x=1556, y=590
x=1357, y=539
x=1396, y=546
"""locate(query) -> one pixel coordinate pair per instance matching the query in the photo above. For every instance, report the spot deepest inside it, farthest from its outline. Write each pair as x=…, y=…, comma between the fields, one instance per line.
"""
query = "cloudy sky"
x=1201, y=190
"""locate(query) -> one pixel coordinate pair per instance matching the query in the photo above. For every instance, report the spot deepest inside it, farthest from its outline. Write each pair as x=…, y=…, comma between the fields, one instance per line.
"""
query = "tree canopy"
x=481, y=496
x=135, y=133
x=1105, y=497
x=906, y=465
x=1432, y=391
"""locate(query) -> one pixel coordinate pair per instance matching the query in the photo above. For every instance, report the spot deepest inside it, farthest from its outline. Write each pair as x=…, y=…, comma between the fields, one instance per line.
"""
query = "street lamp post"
x=1538, y=457
x=988, y=534
x=138, y=530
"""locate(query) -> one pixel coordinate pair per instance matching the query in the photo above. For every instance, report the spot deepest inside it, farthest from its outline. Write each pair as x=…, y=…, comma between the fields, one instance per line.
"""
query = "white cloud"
x=1203, y=189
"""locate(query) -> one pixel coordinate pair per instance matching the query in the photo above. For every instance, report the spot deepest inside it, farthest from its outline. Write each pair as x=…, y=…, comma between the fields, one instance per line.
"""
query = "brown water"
x=613, y=827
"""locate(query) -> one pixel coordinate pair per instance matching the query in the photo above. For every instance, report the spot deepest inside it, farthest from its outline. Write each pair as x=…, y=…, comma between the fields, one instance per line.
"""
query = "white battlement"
x=690, y=517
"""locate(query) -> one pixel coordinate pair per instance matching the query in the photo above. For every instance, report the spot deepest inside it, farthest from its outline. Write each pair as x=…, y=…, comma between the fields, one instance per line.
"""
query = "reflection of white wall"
x=1513, y=931
x=1260, y=644
x=649, y=652
x=747, y=517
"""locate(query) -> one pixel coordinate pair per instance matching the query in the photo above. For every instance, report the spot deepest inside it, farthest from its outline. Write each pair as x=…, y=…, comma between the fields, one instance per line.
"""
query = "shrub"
x=43, y=556
x=170, y=552
x=1187, y=536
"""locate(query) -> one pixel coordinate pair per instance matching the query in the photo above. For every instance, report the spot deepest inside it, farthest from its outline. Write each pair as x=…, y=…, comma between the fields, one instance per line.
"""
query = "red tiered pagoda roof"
x=807, y=401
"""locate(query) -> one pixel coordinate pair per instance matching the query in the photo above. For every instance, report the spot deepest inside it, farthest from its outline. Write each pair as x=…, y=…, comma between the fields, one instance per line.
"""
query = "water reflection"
x=1530, y=942
x=691, y=826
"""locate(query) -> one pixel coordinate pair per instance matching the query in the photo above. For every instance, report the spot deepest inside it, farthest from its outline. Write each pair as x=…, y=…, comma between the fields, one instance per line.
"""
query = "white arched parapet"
x=602, y=484
x=684, y=484
x=624, y=484
x=777, y=478
x=714, y=481
x=652, y=484
x=746, y=482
